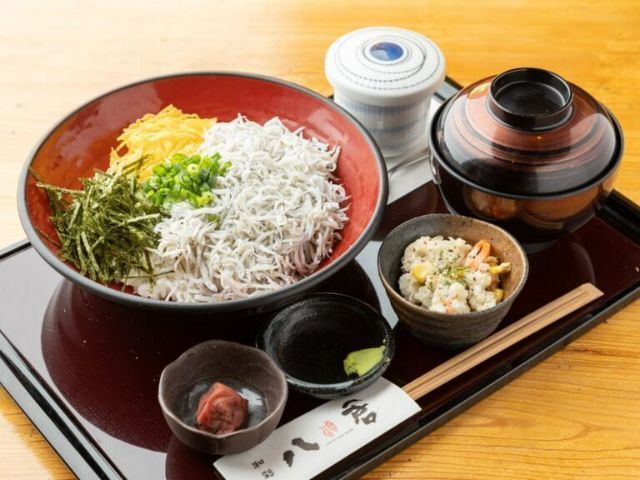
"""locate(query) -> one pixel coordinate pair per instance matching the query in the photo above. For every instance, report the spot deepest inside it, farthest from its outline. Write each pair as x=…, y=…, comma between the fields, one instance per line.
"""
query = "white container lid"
x=385, y=66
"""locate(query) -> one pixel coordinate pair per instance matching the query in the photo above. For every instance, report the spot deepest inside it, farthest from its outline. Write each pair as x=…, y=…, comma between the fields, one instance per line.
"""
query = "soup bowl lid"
x=526, y=131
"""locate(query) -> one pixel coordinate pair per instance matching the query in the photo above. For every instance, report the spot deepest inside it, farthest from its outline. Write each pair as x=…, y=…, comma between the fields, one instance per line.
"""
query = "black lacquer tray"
x=85, y=371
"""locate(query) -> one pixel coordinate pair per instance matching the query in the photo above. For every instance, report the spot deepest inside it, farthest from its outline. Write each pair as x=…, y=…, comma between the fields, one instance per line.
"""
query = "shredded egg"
x=156, y=137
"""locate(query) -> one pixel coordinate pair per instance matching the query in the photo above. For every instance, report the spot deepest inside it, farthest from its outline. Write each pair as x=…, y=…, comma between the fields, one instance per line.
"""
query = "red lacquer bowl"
x=528, y=151
x=81, y=143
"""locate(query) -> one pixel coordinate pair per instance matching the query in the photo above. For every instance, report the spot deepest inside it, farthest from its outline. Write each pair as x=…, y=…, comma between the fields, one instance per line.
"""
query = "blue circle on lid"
x=386, y=51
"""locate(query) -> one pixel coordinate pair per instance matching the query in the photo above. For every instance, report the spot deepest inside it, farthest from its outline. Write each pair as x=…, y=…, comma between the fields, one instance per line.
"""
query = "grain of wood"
x=574, y=416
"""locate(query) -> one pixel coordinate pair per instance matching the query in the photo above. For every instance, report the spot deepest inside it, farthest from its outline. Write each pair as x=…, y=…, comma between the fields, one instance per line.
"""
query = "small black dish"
x=310, y=339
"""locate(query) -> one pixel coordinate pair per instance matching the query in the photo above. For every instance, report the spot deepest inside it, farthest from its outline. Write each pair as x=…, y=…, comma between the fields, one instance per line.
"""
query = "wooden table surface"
x=576, y=415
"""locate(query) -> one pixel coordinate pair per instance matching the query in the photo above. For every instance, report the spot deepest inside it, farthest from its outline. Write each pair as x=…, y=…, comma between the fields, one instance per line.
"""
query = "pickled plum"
x=221, y=410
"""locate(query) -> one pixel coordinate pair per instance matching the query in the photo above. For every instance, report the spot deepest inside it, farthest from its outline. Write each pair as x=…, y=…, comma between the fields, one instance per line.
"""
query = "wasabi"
x=361, y=361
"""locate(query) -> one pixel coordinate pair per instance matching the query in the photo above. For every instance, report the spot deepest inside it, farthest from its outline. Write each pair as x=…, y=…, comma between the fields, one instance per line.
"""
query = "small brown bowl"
x=441, y=329
x=247, y=369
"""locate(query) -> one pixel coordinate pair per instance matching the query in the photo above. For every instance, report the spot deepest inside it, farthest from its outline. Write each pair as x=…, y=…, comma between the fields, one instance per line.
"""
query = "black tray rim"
x=86, y=460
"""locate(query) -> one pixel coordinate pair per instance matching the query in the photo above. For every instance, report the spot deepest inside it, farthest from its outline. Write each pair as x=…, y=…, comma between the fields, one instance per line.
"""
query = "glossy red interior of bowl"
x=82, y=141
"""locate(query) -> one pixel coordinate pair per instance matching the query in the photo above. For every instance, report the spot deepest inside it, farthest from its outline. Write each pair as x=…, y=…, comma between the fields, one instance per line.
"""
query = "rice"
x=447, y=275
x=277, y=214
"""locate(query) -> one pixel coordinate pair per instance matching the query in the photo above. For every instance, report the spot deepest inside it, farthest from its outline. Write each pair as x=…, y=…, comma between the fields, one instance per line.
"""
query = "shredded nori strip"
x=106, y=228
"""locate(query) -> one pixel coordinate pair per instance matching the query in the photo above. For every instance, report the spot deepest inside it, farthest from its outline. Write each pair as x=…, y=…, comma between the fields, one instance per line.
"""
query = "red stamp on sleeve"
x=329, y=428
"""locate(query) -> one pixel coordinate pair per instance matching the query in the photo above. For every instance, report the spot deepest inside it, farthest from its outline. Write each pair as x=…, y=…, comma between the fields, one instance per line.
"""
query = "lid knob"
x=386, y=52
x=530, y=99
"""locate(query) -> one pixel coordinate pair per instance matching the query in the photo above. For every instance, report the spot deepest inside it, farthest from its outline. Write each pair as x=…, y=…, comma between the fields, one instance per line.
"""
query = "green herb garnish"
x=106, y=228
x=454, y=272
x=185, y=179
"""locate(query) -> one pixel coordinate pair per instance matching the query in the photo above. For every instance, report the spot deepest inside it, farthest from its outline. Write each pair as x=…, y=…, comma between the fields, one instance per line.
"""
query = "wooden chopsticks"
x=502, y=339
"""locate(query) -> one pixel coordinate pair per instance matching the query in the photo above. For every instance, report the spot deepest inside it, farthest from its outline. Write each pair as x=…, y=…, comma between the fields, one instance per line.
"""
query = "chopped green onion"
x=185, y=179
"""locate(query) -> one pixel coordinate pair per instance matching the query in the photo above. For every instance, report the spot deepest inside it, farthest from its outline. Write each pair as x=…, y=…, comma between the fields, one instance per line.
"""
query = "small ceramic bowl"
x=441, y=329
x=246, y=369
x=310, y=339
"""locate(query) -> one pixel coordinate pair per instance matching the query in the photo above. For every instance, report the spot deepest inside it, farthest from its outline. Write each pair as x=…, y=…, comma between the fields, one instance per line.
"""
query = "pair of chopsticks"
x=503, y=339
